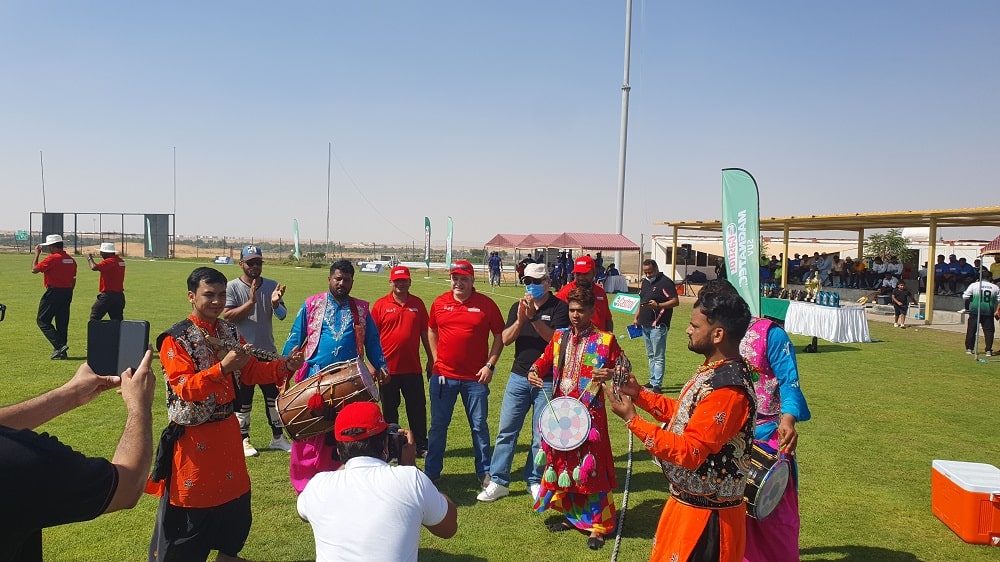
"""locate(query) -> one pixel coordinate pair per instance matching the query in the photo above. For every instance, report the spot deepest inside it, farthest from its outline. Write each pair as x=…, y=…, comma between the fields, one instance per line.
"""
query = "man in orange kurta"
x=705, y=450
x=201, y=473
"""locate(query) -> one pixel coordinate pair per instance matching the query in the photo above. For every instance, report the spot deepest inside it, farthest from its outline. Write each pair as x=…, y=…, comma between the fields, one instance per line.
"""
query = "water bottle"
x=836, y=300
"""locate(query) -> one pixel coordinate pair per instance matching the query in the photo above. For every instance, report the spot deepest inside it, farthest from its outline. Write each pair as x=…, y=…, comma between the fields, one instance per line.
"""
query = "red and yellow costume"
x=705, y=453
x=578, y=483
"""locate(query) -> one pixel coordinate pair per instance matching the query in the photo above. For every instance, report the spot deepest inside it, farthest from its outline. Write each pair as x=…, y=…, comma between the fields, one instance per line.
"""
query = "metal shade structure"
x=860, y=222
x=992, y=248
x=581, y=240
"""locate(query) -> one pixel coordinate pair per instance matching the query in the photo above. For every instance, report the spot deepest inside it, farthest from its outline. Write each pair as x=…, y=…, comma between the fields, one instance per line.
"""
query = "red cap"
x=399, y=272
x=462, y=267
x=360, y=420
x=583, y=264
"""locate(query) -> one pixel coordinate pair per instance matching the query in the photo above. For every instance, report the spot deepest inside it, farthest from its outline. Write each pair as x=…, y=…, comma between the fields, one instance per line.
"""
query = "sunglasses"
x=532, y=281
x=254, y=263
x=461, y=266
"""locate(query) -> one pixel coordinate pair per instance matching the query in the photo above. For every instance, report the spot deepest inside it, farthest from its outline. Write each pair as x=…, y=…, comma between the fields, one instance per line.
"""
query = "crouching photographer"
x=369, y=509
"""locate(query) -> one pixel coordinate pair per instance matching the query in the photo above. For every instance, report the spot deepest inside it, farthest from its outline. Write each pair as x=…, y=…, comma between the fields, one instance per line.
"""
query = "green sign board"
x=21, y=236
x=624, y=302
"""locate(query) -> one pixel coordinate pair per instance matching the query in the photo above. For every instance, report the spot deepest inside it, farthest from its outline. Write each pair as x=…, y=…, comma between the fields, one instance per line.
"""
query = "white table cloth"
x=615, y=284
x=846, y=324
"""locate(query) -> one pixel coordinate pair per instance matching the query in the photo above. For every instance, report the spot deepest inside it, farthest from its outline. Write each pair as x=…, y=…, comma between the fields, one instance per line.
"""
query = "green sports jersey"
x=983, y=295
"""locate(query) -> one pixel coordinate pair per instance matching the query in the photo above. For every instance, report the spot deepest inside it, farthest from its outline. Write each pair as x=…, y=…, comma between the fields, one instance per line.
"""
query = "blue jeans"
x=655, y=338
x=475, y=397
x=517, y=398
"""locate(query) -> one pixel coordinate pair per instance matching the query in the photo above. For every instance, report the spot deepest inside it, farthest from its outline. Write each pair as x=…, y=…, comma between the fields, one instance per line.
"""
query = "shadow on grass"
x=834, y=348
x=637, y=519
x=853, y=553
x=434, y=554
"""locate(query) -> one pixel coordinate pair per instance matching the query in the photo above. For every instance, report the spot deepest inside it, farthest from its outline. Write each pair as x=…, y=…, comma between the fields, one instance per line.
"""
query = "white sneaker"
x=248, y=448
x=280, y=443
x=989, y=354
x=534, y=489
x=968, y=352
x=493, y=492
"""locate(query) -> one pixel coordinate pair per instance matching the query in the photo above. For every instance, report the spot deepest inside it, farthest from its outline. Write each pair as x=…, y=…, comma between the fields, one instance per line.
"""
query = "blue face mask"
x=651, y=279
x=536, y=290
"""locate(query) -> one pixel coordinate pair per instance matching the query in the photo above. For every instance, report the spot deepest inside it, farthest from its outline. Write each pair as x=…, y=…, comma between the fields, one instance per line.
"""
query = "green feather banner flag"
x=741, y=234
x=295, y=237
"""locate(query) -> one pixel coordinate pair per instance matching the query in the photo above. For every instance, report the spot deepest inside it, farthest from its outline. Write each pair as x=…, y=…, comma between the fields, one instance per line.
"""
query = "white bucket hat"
x=108, y=248
x=52, y=239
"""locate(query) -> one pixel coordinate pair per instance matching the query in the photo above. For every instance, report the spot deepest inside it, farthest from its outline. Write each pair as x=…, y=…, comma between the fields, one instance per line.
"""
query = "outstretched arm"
x=79, y=390
x=135, y=449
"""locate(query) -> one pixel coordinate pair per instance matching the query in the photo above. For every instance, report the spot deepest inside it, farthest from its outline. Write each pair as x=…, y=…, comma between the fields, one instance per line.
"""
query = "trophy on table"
x=812, y=286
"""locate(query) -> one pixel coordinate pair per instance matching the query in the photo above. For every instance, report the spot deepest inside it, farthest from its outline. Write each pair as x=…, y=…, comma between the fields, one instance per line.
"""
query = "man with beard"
x=401, y=318
x=331, y=327
x=460, y=325
x=657, y=299
x=251, y=299
x=584, y=272
x=705, y=449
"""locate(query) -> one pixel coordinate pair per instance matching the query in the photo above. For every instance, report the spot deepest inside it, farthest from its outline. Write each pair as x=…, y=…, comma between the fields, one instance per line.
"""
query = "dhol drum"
x=766, y=481
x=304, y=415
x=564, y=423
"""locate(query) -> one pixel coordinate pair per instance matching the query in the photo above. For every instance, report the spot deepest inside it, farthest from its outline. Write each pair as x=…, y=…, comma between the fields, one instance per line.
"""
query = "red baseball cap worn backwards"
x=584, y=264
x=357, y=421
x=462, y=267
x=399, y=272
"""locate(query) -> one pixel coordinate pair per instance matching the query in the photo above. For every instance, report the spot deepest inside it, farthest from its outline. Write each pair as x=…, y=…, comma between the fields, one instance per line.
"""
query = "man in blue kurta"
x=330, y=328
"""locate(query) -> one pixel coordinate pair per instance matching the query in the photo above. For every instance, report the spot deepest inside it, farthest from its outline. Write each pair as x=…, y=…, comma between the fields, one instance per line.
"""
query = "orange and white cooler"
x=965, y=496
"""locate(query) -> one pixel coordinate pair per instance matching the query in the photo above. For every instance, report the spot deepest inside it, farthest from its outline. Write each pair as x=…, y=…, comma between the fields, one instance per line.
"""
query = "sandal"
x=595, y=543
x=559, y=527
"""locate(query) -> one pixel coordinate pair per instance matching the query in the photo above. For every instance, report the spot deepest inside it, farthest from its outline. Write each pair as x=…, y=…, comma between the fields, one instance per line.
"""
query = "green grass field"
x=881, y=413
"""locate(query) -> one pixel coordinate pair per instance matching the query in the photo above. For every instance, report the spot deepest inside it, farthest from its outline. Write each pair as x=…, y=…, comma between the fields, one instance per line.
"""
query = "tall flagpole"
x=329, y=164
x=624, y=129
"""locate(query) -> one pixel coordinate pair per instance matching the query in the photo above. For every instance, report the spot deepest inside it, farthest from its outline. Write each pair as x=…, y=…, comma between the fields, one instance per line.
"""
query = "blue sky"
x=503, y=115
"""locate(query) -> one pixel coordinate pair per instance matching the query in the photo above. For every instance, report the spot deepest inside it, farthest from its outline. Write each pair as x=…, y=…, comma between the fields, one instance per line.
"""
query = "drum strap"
x=359, y=327
x=562, y=353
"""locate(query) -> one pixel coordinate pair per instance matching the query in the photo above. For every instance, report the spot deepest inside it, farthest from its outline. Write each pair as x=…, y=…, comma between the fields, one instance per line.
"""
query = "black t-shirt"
x=48, y=484
x=529, y=346
x=902, y=295
x=660, y=290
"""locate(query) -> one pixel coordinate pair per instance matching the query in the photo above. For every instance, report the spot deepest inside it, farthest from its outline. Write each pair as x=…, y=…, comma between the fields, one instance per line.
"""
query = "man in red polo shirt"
x=58, y=271
x=584, y=272
x=111, y=300
x=402, y=325
x=460, y=323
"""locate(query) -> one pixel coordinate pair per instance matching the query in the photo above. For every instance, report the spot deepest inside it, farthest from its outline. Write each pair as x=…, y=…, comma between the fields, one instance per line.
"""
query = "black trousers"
x=54, y=306
x=189, y=534
x=986, y=321
x=112, y=304
x=244, y=405
x=411, y=387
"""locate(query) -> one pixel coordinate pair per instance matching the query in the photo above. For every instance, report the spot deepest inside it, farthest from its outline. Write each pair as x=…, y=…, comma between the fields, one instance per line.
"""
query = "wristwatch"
x=491, y=366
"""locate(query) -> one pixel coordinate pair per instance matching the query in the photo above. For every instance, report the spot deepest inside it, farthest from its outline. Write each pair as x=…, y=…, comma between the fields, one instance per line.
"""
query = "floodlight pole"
x=41, y=163
x=624, y=128
x=329, y=165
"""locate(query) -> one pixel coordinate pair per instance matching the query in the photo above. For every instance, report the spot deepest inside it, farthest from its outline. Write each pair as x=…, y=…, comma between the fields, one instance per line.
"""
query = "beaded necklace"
x=576, y=345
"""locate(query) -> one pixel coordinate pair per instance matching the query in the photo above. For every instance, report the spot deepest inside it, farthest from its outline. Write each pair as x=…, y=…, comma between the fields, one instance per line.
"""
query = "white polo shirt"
x=369, y=511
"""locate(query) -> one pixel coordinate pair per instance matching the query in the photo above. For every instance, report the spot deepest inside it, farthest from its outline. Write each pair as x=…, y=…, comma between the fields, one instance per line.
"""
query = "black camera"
x=395, y=441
